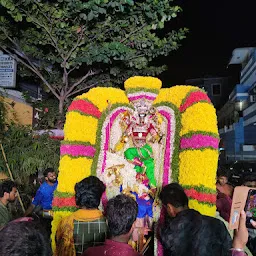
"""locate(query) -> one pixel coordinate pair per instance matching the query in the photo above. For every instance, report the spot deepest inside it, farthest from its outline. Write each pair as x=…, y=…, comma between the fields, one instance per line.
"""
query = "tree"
x=27, y=153
x=73, y=45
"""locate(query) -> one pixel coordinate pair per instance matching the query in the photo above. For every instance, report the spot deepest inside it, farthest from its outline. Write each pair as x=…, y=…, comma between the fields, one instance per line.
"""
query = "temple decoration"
x=138, y=140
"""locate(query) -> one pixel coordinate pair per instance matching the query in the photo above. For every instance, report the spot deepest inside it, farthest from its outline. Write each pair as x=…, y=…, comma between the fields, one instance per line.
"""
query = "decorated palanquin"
x=137, y=141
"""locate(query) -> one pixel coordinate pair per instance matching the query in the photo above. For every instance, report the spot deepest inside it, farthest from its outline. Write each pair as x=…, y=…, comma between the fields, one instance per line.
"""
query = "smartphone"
x=250, y=207
x=242, y=200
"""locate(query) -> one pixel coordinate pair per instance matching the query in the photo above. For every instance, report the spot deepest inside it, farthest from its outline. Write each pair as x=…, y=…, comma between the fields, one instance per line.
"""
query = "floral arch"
x=188, y=155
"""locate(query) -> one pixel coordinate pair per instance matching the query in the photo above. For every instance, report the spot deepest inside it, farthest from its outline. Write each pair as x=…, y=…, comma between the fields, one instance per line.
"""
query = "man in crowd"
x=189, y=232
x=43, y=199
x=249, y=180
x=223, y=186
x=86, y=227
x=8, y=193
x=24, y=238
x=121, y=214
x=224, y=194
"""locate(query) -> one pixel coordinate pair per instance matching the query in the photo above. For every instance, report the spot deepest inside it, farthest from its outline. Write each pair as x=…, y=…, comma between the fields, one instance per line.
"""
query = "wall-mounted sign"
x=8, y=68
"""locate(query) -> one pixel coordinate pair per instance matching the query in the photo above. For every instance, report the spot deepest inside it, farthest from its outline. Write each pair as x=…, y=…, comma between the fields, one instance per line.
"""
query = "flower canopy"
x=190, y=152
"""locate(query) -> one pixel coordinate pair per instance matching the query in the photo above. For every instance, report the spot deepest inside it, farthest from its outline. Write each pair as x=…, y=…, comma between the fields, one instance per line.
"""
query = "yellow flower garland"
x=79, y=127
x=71, y=171
x=175, y=94
x=145, y=82
x=203, y=208
x=101, y=97
x=198, y=167
x=199, y=117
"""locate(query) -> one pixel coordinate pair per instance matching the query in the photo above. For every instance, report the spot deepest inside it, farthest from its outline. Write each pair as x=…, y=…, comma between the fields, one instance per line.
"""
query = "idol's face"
x=142, y=108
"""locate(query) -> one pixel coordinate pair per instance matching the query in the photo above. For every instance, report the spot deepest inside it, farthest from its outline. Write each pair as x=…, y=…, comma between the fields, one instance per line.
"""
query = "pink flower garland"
x=194, y=97
x=199, y=141
x=85, y=107
x=77, y=150
x=201, y=197
x=64, y=202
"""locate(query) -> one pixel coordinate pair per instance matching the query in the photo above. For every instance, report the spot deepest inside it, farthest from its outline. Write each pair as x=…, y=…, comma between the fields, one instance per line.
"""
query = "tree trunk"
x=61, y=105
x=60, y=122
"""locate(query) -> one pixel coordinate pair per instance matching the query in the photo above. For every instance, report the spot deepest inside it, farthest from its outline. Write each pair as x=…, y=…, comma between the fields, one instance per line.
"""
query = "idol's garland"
x=196, y=137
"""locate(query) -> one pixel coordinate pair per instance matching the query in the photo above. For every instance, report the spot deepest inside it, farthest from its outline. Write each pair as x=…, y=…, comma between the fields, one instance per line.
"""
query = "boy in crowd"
x=121, y=213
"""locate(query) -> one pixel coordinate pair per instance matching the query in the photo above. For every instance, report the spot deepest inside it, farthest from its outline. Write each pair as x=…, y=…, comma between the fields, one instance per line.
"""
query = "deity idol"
x=139, y=126
x=142, y=123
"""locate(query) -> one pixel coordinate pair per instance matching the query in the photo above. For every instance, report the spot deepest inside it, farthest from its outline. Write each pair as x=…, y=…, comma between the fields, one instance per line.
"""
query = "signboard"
x=7, y=71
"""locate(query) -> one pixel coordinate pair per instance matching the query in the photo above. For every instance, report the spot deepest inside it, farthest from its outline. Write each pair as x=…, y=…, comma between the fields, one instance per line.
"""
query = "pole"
x=11, y=176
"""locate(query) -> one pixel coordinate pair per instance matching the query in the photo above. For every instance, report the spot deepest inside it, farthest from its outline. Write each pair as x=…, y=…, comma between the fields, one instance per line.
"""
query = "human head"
x=88, y=192
x=121, y=214
x=178, y=235
x=249, y=180
x=50, y=175
x=8, y=191
x=24, y=238
x=222, y=176
x=174, y=198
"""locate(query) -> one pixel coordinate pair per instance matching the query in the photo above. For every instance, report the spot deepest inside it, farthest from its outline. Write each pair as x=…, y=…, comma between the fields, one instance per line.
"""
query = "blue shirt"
x=44, y=196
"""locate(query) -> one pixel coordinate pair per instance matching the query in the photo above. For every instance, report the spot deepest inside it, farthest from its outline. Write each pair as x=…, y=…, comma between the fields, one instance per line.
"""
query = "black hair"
x=223, y=172
x=174, y=194
x=46, y=171
x=193, y=234
x=24, y=238
x=7, y=186
x=121, y=213
x=88, y=192
x=249, y=177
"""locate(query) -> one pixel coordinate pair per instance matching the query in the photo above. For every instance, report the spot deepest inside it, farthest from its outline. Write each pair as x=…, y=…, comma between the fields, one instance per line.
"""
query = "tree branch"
x=43, y=13
x=18, y=48
x=76, y=45
x=135, y=57
x=87, y=87
x=89, y=73
x=54, y=42
x=72, y=69
x=33, y=69
x=133, y=32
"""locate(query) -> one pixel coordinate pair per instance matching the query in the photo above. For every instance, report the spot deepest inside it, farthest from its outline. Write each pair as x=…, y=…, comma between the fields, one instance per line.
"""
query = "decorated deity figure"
x=139, y=125
x=138, y=140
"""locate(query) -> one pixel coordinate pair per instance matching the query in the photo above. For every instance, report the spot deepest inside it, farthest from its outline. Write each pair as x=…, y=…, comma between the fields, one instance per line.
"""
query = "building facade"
x=217, y=88
x=237, y=118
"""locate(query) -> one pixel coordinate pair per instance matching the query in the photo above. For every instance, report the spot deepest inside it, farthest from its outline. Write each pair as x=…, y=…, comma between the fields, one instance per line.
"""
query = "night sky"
x=216, y=28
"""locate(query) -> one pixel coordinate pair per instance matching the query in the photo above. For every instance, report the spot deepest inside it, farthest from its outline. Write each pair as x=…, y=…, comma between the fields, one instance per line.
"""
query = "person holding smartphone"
x=241, y=236
x=249, y=180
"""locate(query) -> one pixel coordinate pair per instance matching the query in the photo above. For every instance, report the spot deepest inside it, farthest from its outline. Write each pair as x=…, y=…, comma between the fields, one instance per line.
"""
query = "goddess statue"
x=139, y=126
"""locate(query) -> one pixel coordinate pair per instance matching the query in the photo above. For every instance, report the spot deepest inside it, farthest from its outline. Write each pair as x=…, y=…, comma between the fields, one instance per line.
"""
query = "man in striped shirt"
x=86, y=227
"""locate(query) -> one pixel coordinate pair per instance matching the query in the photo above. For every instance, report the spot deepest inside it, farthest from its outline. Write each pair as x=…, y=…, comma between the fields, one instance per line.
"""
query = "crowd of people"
x=224, y=199
x=90, y=232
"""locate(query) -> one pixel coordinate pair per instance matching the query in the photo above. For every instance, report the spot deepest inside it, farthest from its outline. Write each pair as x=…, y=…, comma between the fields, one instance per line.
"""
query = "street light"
x=240, y=106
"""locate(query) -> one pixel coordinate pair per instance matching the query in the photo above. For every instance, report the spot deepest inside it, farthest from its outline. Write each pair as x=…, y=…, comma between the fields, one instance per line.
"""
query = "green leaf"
x=130, y=2
x=62, y=24
x=102, y=11
x=90, y=16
